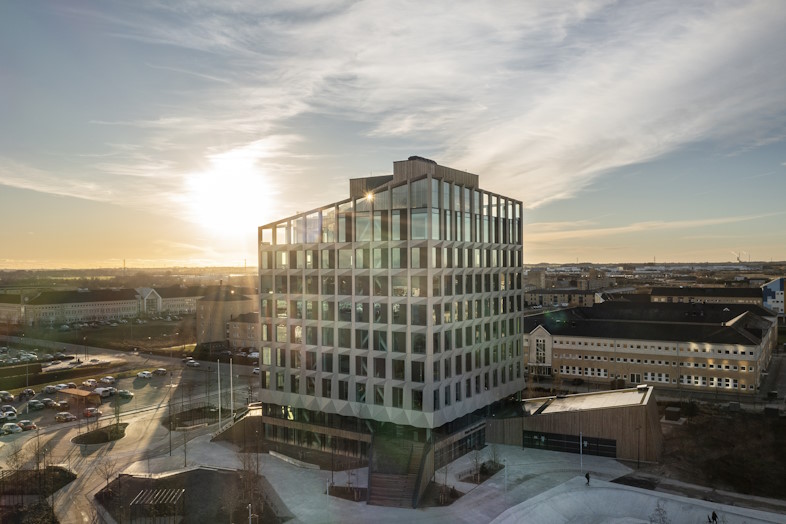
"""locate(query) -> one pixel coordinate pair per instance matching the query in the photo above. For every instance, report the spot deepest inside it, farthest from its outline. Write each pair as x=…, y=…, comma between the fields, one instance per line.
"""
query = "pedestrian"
x=587, y=476
x=714, y=518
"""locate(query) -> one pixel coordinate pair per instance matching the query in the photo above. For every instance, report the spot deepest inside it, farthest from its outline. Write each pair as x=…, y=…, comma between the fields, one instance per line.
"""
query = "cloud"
x=540, y=98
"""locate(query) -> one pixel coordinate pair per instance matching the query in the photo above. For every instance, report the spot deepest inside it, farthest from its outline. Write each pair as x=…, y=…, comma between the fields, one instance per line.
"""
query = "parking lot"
x=178, y=382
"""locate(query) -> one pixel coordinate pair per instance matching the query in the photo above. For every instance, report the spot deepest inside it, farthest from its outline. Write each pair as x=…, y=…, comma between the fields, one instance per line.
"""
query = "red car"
x=26, y=425
x=92, y=412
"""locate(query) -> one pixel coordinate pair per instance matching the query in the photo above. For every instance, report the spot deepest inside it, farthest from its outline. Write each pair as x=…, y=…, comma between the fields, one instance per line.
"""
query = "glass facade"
x=412, y=281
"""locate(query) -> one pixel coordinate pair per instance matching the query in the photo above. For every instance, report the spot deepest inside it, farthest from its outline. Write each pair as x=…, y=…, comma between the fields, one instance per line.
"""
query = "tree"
x=107, y=468
x=477, y=462
x=659, y=515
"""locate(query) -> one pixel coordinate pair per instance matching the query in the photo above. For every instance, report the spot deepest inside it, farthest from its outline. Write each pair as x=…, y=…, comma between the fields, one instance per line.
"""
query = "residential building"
x=697, y=347
x=559, y=297
x=400, y=304
x=707, y=295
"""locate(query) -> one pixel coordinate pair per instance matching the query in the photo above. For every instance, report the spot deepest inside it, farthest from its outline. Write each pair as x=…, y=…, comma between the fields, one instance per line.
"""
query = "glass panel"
x=400, y=197
x=419, y=194
x=329, y=225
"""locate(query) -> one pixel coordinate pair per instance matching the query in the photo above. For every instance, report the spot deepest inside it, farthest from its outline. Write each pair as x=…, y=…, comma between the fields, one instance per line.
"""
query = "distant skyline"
x=165, y=133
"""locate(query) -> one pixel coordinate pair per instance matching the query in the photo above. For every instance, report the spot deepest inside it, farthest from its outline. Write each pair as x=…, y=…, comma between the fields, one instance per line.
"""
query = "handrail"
x=370, y=460
x=428, y=448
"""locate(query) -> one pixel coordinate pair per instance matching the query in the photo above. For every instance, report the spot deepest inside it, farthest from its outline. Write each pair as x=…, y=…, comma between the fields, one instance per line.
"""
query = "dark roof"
x=181, y=291
x=224, y=295
x=752, y=292
x=197, y=291
x=668, y=322
x=669, y=312
x=6, y=298
x=561, y=291
x=73, y=297
x=250, y=318
x=710, y=333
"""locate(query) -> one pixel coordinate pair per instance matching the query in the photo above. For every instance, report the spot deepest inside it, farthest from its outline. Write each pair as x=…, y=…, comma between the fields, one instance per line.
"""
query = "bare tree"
x=107, y=467
x=659, y=515
x=477, y=462
x=494, y=450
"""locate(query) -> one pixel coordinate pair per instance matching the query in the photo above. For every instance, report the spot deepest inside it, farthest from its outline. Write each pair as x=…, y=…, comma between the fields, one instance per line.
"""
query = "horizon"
x=166, y=134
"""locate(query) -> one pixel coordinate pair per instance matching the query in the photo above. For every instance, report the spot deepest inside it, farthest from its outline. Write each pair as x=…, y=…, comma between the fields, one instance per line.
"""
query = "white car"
x=256, y=371
x=144, y=374
x=10, y=427
x=253, y=354
x=108, y=380
x=192, y=363
x=90, y=383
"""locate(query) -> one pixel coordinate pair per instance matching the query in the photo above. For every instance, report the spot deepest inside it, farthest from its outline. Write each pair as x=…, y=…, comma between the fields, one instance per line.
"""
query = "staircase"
x=393, y=471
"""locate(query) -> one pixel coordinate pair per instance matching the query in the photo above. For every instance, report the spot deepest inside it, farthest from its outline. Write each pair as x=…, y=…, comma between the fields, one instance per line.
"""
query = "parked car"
x=253, y=354
x=92, y=412
x=64, y=405
x=27, y=425
x=48, y=403
x=27, y=392
x=10, y=427
x=35, y=405
x=124, y=393
x=103, y=392
x=256, y=371
x=90, y=383
x=72, y=385
x=187, y=359
x=9, y=415
x=160, y=371
x=8, y=409
x=5, y=396
x=144, y=374
x=65, y=416
x=192, y=363
x=61, y=386
x=108, y=380
x=50, y=389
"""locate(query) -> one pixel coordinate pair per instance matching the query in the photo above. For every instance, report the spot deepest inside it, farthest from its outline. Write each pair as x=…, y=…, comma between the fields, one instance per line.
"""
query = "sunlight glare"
x=233, y=195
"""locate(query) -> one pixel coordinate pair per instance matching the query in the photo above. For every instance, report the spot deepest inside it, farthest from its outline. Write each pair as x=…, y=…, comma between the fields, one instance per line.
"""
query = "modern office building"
x=693, y=347
x=398, y=306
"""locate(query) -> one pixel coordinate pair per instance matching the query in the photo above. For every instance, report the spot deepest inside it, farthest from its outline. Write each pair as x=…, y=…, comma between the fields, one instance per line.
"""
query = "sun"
x=232, y=195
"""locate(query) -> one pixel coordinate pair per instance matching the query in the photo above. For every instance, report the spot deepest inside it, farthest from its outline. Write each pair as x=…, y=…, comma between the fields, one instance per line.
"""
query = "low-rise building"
x=622, y=424
x=559, y=297
x=697, y=347
x=52, y=308
x=707, y=295
x=214, y=311
x=772, y=293
x=11, y=310
x=243, y=331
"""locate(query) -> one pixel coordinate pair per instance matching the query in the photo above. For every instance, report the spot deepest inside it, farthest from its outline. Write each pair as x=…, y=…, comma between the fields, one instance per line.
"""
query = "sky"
x=163, y=133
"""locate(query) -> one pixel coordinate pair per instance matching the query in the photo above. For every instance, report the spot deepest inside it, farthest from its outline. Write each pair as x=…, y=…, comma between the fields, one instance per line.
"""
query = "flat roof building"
x=400, y=304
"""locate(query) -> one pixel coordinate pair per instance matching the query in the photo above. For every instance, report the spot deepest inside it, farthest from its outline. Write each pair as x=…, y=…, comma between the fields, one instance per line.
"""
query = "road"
x=146, y=437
